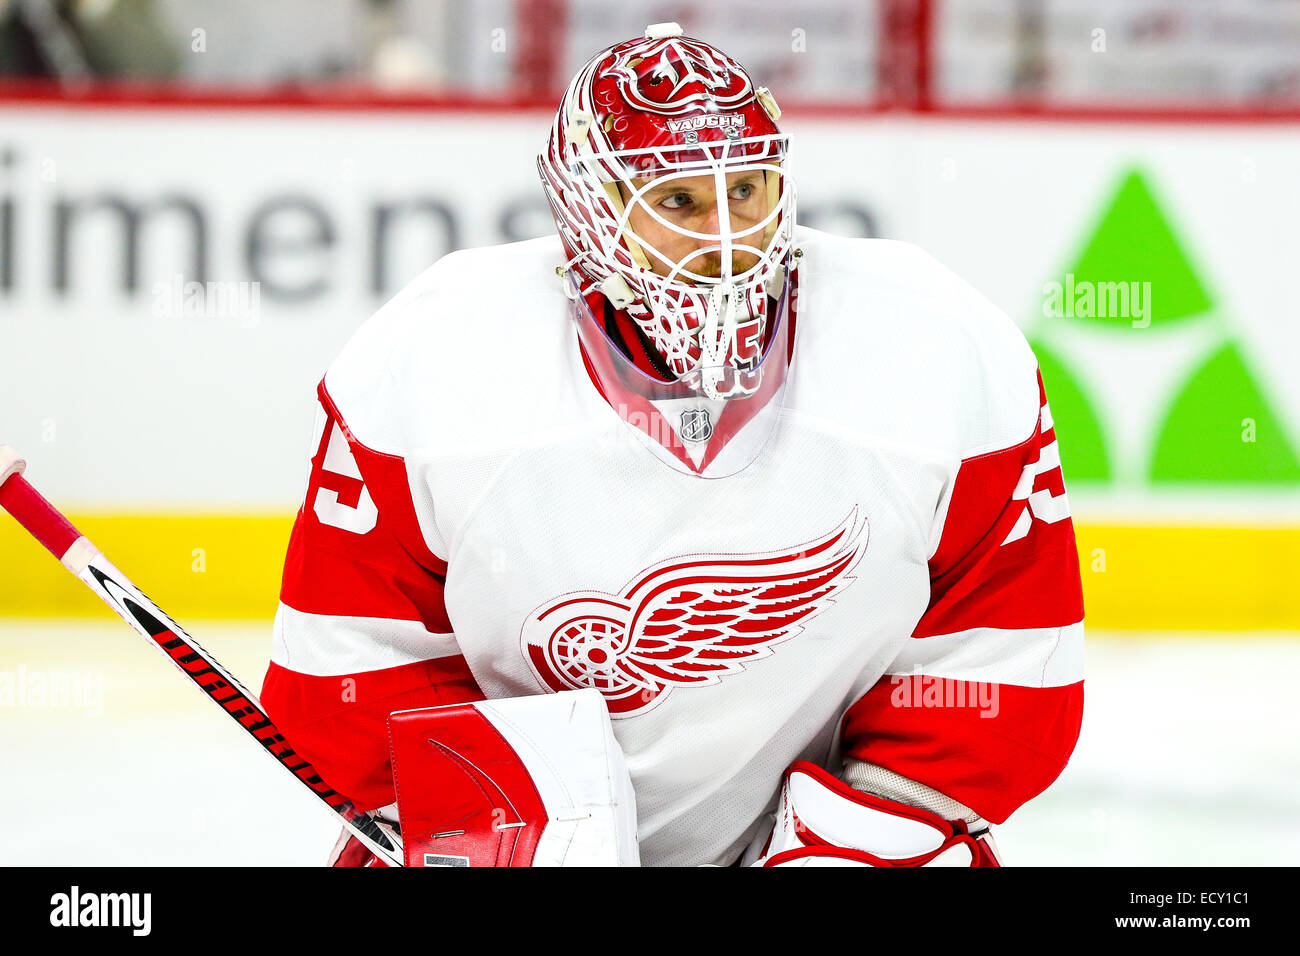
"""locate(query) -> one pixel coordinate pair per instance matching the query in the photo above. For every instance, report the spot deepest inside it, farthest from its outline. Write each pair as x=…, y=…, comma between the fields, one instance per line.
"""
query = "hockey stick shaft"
x=45, y=523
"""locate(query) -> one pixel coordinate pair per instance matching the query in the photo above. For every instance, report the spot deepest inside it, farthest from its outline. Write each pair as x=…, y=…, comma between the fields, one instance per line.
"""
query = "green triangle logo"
x=1220, y=428
x=1135, y=242
x=1218, y=425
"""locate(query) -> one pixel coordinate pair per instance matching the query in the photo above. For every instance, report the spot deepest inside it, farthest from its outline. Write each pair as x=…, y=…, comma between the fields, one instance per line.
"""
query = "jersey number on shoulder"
x=1040, y=505
x=358, y=519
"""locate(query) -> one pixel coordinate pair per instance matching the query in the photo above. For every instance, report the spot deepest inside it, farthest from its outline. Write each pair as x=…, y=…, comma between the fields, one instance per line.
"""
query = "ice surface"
x=1188, y=756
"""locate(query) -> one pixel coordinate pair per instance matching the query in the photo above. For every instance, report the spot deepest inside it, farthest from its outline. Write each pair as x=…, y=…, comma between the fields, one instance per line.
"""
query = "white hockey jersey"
x=893, y=578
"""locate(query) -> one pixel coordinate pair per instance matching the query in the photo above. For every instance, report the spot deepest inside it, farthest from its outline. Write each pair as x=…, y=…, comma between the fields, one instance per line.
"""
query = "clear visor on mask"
x=712, y=422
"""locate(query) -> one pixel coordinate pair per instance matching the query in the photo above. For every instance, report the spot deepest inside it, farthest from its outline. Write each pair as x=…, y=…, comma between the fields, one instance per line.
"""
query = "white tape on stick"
x=10, y=463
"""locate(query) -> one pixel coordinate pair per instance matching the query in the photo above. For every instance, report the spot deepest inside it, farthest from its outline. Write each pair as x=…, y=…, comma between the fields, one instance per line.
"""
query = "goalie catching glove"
x=822, y=821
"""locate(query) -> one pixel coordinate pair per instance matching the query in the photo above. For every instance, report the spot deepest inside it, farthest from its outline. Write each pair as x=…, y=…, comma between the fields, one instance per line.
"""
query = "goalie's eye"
x=676, y=200
x=741, y=192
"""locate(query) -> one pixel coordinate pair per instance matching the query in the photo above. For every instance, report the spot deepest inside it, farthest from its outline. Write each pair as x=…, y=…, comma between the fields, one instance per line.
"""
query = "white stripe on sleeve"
x=325, y=645
x=1028, y=657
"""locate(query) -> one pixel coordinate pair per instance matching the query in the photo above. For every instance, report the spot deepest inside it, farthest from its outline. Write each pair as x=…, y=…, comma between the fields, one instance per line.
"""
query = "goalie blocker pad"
x=822, y=821
x=522, y=781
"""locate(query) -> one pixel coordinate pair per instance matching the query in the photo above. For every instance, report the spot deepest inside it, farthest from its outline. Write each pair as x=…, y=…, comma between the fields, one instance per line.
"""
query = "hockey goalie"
x=685, y=536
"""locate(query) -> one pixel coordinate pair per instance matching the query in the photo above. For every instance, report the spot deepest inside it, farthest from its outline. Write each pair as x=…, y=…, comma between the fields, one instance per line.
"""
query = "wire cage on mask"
x=691, y=312
x=692, y=317
x=626, y=177
x=701, y=287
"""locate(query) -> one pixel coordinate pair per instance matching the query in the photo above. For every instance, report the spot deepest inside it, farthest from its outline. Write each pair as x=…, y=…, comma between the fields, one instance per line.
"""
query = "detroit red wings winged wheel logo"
x=676, y=75
x=689, y=621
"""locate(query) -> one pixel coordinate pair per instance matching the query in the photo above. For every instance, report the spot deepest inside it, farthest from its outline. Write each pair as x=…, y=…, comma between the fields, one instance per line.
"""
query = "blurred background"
x=201, y=200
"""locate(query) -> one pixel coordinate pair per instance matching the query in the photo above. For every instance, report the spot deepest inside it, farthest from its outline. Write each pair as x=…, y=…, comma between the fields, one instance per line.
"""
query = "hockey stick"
x=48, y=526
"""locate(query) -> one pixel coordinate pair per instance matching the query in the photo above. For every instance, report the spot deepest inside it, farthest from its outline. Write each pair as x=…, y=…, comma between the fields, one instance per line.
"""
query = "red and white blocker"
x=524, y=781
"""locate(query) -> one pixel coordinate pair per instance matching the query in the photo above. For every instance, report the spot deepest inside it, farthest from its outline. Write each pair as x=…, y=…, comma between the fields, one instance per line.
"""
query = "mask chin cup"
x=710, y=423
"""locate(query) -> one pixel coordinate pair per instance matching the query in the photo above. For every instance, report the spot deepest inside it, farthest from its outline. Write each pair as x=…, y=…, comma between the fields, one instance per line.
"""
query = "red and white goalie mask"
x=667, y=177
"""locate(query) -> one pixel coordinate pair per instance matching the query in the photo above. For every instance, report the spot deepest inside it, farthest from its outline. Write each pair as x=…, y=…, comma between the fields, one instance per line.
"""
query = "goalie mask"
x=666, y=175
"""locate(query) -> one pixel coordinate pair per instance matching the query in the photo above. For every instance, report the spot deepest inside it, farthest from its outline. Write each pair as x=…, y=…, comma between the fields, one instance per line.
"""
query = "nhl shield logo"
x=697, y=425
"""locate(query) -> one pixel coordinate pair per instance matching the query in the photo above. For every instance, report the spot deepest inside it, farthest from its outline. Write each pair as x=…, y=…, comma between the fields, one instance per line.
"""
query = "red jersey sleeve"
x=362, y=629
x=985, y=702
